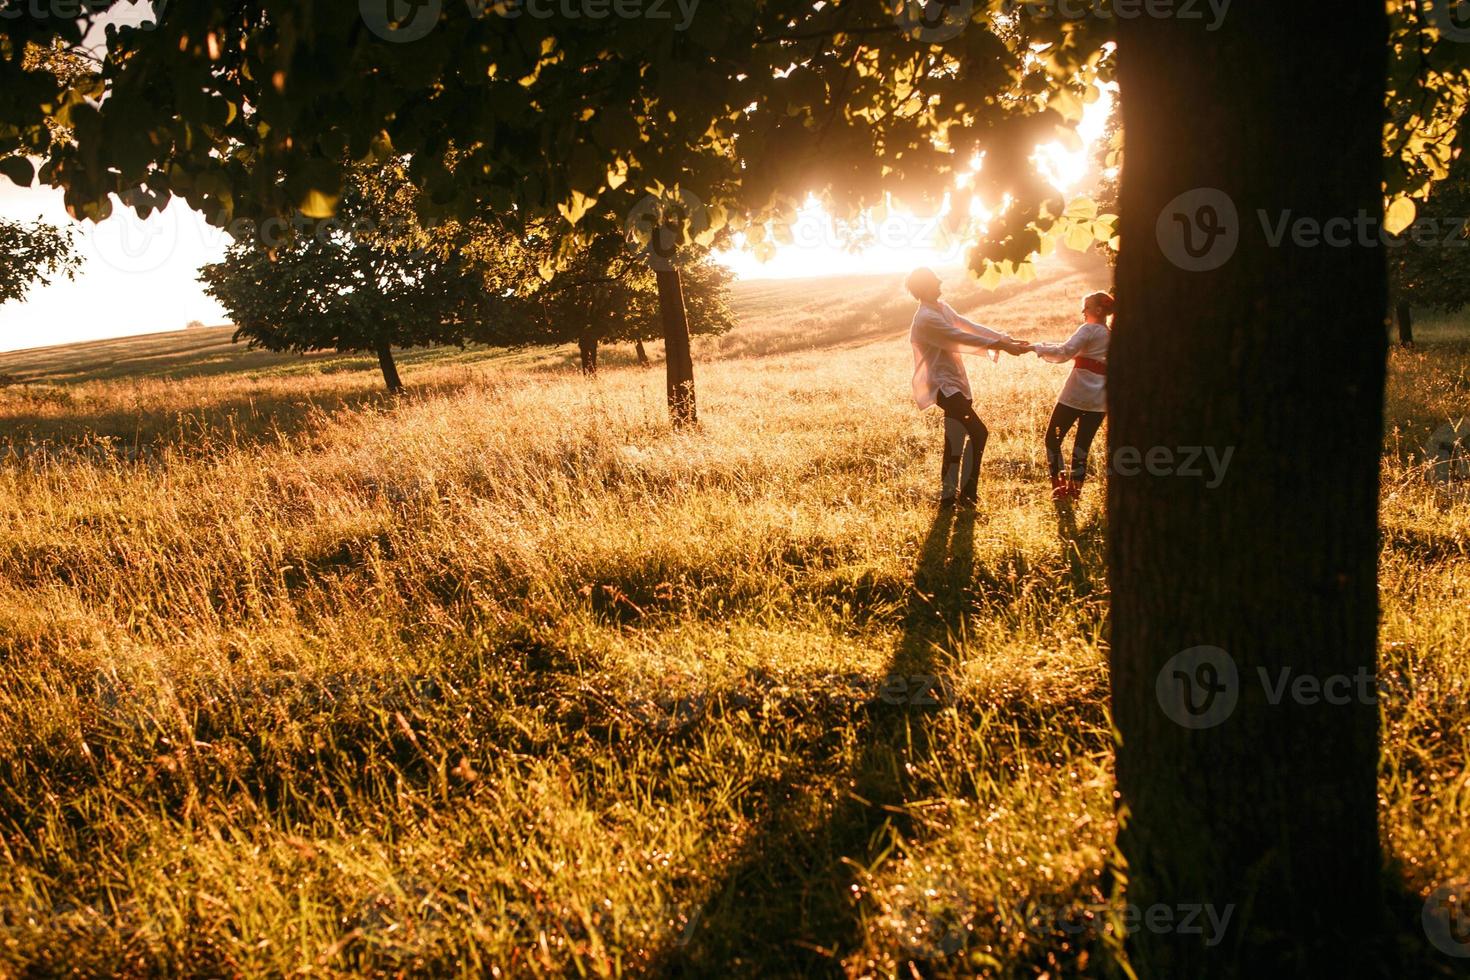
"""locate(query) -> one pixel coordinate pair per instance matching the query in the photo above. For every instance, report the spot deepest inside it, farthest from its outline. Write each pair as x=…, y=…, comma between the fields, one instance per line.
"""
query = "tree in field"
x=1273, y=808
x=339, y=294
x=608, y=294
x=368, y=280
x=1429, y=264
x=33, y=254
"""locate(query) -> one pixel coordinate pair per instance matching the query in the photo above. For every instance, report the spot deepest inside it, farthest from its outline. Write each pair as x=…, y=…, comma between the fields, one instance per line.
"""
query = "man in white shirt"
x=939, y=335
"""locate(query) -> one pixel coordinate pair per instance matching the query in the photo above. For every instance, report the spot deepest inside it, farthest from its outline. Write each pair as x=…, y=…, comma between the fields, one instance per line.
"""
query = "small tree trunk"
x=1234, y=792
x=680, y=362
x=390, y=368
x=588, y=347
x=643, y=360
x=1406, y=323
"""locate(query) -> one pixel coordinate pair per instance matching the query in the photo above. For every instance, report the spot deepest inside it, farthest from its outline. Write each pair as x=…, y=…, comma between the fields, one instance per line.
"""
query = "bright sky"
x=137, y=276
x=142, y=276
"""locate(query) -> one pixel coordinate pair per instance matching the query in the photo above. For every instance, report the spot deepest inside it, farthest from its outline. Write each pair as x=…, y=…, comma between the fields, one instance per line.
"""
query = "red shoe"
x=1074, y=491
x=1059, y=489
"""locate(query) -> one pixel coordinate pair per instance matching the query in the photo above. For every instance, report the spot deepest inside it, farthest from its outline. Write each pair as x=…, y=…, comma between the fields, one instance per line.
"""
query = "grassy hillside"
x=775, y=315
x=507, y=677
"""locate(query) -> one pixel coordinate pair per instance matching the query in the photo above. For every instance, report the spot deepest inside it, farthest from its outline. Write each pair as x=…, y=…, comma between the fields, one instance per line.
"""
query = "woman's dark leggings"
x=1062, y=419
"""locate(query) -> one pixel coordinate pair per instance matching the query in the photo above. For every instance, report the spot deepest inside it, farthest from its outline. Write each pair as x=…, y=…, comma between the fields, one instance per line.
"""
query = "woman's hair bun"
x=1102, y=302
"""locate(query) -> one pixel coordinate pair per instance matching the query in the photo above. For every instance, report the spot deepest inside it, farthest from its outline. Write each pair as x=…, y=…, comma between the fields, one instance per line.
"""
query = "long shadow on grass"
x=788, y=905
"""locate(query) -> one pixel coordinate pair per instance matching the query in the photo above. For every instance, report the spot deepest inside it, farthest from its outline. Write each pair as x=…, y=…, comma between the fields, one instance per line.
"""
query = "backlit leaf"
x=1400, y=215
x=318, y=205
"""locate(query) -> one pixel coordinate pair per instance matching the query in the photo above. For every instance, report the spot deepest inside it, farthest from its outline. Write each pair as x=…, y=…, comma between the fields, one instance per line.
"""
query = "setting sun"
x=899, y=238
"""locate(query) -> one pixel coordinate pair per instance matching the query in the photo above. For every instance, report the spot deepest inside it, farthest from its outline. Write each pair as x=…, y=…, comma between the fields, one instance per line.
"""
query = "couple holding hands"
x=940, y=335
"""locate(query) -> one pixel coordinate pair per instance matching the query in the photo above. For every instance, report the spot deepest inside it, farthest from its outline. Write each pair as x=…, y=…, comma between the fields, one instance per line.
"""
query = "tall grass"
x=507, y=677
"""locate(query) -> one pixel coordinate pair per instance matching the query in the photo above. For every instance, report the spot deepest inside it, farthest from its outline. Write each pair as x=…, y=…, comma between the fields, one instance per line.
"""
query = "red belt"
x=1096, y=367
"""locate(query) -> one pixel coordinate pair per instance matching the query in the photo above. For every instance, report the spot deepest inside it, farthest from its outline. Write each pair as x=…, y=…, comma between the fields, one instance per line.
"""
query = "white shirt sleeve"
x=1058, y=353
x=962, y=335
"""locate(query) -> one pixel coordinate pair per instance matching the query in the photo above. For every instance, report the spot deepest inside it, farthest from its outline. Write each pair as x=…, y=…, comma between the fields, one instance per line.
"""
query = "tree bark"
x=588, y=348
x=1276, y=355
x=1406, y=323
x=390, y=367
x=643, y=360
x=682, y=408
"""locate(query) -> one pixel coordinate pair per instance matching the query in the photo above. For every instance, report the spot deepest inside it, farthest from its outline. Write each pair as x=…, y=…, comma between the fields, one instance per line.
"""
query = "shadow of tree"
x=792, y=883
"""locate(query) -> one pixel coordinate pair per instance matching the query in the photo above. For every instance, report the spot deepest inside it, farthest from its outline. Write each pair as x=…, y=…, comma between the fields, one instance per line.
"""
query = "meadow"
x=505, y=676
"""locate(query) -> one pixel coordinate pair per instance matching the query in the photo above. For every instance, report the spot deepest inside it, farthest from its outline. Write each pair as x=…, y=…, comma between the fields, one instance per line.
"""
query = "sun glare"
x=895, y=238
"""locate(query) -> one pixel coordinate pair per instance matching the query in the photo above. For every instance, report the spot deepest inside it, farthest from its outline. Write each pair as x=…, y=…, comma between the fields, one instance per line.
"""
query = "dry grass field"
x=506, y=677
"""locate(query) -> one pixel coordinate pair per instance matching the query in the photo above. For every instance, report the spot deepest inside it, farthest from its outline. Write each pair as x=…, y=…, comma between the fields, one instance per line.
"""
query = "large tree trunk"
x=588, y=348
x=1406, y=323
x=676, y=347
x=1275, y=354
x=390, y=368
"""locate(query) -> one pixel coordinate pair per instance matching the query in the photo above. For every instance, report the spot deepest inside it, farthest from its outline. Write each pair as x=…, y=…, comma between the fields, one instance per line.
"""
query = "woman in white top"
x=939, y=335
x=1083, y=401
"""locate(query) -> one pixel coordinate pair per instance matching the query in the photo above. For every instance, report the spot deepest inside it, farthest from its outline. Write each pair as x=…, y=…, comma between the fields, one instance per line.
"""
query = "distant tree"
x=608, y=294
x=368, y=280
x=1429, y=264
x=32, y=255
x=374, y=277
